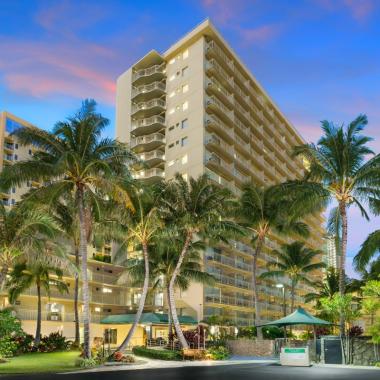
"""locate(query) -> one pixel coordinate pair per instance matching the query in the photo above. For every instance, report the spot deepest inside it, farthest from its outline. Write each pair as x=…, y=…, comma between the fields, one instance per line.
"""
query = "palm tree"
x=194, y=209
x=21, y=230
x=74, y=159
x=368, y=250
x=163, y=263
x=140, y=226
x=37, y=272
x=263, y=211
x=294, y=261
x=336, y=170
x=325, y=289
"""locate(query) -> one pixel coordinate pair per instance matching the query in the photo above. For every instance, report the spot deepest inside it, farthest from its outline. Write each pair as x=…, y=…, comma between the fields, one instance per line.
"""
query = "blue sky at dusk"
x=318, y=59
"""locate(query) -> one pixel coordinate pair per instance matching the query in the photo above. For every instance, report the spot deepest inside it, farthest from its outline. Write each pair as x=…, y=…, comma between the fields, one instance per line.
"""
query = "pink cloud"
x=224, y=11
x=260, y=34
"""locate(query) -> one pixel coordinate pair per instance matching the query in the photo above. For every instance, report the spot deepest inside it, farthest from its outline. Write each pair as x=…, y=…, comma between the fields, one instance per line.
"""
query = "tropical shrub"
x=118, y=356
x=8, y=347
x=156, y=354
x=9, y=324
x=272, y=332
x=24, y=343
x=355, y=331
x=249, y=332
x=55, y=341
x=217, y=353
x=85, y=363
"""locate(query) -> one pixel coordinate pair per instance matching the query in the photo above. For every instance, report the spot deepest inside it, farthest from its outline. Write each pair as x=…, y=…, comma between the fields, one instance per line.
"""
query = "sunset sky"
x=318, y=59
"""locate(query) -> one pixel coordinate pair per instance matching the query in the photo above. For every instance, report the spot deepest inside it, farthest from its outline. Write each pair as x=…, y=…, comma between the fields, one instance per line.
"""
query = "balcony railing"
x=148, y=105
x=227, y=300
x=150, y=173
x=220, y=125
x=160, y=86
x=156, y=69
x=153, y=138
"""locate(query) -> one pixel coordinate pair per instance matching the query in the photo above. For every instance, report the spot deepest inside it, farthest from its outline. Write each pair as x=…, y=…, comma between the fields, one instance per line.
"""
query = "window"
x=184, y=159
x=172, y=77
x=110, y=336
x=13, y=202
x=185, y=106
x=107, y=290
x=184, y=141
x=171, y=145
x=185, y=71
x=171, y=128
x=171, y=111
x=185, y=54
x=185, y=88
x=171, y=163
x=30, y=152
x=184, y=123
x=184, y=176
x=13, y=190
x=171, y=61
x=16, y=146
x=15, y=157
x=171, y=94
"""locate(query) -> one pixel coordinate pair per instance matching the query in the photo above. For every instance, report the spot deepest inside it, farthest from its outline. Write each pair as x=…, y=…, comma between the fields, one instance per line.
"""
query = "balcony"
x=242, y=129
x=148, y=125
x=213, y=68
x=228, y=300
x=230, y=262
x=150, y=175
x=221, y=147
x=214, y=162
x=149, y=108
x=213, y=123
x=31, y=315
x=213, y=50
x=216, y=106
x=153, y=73
x=9, y=146
x=152, y=158
x=148, y=142
x=8, y=158
x=213, y=87
x=152, y=90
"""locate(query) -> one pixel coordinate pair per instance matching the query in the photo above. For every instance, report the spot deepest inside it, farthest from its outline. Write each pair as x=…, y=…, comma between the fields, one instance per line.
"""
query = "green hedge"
x=156, y=354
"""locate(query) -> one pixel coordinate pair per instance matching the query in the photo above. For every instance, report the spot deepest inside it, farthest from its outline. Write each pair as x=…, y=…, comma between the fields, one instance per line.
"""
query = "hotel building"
x=194, y=109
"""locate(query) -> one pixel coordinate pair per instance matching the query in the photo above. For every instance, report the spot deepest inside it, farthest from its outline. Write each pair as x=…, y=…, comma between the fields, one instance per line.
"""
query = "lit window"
x=184, y=176
x=184, y=141
x=107, y=290
x=171, y=111
x=171, y=94
x=184, y=159
x=185, y=54
x=184, y=124
x=185, y=106
x=177, y=108
x=97, y=309
x=172, y=77
x=185, y=71
x=171, y=61
x=185, y=88
x=171, y=163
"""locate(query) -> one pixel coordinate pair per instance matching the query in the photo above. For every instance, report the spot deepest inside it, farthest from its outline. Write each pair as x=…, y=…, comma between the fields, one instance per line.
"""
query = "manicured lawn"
x=41, y=362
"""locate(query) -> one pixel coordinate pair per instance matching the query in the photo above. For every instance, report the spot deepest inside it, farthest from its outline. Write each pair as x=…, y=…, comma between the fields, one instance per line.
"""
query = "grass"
x=41, y=362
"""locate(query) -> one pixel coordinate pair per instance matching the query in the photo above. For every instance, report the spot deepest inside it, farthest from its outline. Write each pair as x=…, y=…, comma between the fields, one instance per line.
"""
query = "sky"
x=317, y=59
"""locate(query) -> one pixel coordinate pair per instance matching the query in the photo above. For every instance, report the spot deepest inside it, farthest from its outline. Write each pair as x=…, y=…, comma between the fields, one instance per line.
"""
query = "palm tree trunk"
x=76, y=296
x=343, y=214
x=85, y=290
x=293, y=290
x=259, y=246
x=3, y=276
x=170, y=320
x=176, y=271
x=37, y=338
x=140, y=309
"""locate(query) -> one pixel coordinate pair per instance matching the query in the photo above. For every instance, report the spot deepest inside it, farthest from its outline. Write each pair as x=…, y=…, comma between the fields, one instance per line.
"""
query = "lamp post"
x=282, y=287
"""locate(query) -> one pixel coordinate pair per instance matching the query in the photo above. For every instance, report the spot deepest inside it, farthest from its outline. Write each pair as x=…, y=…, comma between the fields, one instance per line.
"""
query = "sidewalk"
x=153, y=364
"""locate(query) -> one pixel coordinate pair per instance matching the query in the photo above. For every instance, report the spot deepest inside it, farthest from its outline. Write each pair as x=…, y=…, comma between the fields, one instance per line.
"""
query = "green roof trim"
x=299, y=317
x=146, y=318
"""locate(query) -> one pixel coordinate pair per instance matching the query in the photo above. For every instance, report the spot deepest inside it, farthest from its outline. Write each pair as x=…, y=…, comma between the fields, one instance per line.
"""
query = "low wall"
x=249, y=347
x=363, y=352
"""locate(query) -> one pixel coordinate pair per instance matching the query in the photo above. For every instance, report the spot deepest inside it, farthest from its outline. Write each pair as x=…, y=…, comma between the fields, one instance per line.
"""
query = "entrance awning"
x=146, y=318
x=299, y=317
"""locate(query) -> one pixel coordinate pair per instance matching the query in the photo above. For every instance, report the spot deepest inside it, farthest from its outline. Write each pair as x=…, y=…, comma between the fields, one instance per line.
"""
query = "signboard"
x=297, y=356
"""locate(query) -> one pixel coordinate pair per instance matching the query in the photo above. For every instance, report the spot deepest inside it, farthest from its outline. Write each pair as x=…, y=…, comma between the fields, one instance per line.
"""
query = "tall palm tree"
x=337, y=171
x=140, y=226
x=294, y=261
x=74, y=159
x=38, y=273
x=263, y=211
x=194, y=209
x=21, y=230
x=368, y=251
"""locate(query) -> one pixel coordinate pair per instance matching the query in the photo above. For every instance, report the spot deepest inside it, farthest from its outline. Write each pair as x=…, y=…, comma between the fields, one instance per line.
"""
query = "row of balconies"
x=228, y=280
x=31, y=315
x=148, y=108
x=229, y=261
x=152, y=174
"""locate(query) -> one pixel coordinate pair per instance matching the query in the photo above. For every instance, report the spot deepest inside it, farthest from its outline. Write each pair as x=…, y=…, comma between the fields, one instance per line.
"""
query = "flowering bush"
x=217, y=353
x=355, y=331
x=120, y=357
